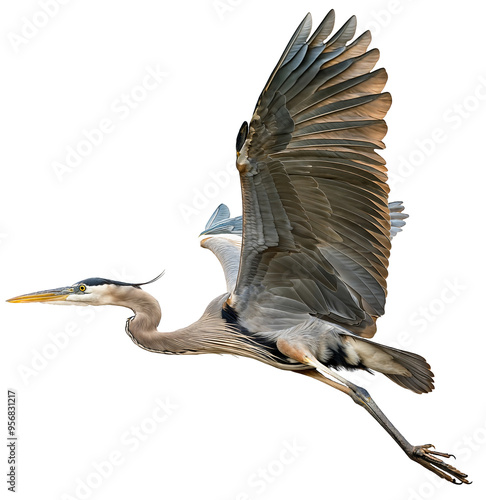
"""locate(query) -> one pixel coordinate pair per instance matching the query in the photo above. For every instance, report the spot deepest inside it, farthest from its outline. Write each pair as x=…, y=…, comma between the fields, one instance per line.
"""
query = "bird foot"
x=425, y=456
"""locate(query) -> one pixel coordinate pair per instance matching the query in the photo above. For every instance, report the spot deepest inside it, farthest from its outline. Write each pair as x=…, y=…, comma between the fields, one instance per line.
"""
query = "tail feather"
x=421, y=379
x=407, y=369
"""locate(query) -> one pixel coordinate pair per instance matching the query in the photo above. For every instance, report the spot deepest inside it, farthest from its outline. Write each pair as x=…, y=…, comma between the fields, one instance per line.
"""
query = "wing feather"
x=221, y=213
x=316, y=221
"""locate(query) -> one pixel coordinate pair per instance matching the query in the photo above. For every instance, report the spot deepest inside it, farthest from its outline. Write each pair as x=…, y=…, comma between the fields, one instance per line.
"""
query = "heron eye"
x=82, y=288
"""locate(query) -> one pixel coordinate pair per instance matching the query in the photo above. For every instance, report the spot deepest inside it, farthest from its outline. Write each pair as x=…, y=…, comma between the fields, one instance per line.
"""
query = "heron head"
x=88, y=292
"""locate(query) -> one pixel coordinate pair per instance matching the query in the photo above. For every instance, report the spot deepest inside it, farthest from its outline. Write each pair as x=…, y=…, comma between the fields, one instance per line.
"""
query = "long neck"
x=210, y=334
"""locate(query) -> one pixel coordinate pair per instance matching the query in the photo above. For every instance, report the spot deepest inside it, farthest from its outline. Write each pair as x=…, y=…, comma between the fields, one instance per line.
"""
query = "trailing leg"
x=424, y=455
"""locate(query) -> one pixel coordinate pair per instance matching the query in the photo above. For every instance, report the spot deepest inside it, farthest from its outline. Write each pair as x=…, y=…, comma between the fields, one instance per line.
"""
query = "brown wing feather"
x=316, y=223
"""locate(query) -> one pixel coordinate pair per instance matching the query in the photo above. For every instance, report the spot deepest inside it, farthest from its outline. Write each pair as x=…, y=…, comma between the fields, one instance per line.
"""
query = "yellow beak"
x=44, y=296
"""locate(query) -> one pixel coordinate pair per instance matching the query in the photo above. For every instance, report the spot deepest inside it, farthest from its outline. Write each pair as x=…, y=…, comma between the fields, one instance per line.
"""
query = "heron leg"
x=424, y=455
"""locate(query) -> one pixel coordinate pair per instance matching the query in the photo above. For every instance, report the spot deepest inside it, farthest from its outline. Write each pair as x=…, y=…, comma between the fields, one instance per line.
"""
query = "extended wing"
x=316, y=222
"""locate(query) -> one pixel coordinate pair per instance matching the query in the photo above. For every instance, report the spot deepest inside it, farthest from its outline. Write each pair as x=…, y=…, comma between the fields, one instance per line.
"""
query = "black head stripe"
x=104, y=281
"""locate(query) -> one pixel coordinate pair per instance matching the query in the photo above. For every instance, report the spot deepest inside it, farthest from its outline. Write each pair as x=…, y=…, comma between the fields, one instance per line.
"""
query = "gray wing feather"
x=221, y=213
x=316, y=222
x=397, y=217
x=221, y=223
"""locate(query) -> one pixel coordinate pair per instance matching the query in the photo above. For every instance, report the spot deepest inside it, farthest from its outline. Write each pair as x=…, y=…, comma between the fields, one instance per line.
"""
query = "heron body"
x=307, y=282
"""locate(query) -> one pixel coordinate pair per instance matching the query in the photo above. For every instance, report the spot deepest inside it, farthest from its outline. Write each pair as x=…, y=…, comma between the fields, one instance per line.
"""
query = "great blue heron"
x=309, y=282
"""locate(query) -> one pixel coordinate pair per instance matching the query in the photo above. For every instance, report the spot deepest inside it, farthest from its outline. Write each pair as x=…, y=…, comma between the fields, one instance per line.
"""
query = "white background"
x=122, y=213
